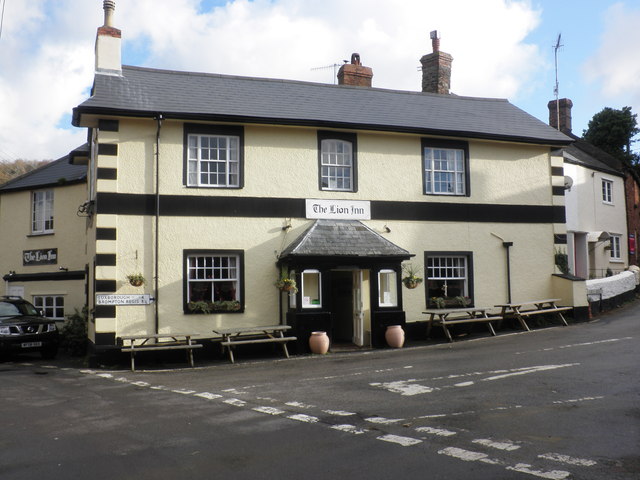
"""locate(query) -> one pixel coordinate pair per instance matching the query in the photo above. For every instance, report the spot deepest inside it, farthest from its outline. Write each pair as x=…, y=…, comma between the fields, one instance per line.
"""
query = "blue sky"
x=501, y=48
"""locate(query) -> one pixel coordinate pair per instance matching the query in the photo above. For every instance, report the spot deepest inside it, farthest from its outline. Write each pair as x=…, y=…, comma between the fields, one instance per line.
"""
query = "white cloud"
x=615, y=66
x=46, y=51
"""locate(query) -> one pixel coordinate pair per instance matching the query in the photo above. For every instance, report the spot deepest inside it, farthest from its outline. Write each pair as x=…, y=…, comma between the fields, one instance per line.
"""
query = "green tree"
x=613, y=130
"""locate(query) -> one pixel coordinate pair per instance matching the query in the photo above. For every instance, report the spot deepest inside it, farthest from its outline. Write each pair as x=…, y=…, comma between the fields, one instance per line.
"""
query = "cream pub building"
x=212, y=186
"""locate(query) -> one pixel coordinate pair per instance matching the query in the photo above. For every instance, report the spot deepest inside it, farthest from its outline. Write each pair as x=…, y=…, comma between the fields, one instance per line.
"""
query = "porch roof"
x=342, y=238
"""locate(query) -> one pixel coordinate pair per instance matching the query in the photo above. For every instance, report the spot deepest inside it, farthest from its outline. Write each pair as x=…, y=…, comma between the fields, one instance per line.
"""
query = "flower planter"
x=319, y=342
x=394, y=336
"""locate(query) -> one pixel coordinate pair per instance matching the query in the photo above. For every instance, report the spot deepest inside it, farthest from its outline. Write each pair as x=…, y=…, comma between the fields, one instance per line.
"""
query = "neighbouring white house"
x=595, y=202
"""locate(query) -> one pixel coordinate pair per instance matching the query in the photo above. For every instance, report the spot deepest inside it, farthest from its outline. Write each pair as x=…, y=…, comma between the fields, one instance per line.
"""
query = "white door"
x=358, y=309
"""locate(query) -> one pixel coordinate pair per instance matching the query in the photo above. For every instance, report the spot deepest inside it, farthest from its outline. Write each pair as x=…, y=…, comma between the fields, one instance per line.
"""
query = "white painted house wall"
x=586, y=213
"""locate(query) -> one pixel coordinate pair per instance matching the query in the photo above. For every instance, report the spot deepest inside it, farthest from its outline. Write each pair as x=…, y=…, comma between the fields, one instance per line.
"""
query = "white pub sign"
x=114, y=299
x=338, y=209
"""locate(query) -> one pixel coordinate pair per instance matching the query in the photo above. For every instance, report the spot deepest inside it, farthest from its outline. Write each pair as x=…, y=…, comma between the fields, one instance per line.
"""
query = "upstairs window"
x=42, y=212
x=607, y=191
x=337, y=153
x=445, y=168
x=213, y=156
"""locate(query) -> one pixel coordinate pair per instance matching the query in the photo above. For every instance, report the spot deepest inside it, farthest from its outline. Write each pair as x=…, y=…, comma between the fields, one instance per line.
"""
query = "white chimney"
x=108, y=41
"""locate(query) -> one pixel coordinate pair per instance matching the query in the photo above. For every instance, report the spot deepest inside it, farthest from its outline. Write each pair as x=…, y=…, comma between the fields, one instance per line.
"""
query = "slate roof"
x=57, y=173
x=188, y=95
x=581, y=152
x=346, y=238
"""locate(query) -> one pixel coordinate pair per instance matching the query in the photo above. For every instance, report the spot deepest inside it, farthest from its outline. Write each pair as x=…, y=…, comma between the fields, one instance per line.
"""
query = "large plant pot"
x=394, y=336
x=319, y=342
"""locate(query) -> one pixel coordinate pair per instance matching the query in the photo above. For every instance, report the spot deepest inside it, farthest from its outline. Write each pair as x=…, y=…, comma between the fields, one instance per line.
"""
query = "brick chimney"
x=354, y=73
x=436, y=69
x=108, y=39
x=560, y=119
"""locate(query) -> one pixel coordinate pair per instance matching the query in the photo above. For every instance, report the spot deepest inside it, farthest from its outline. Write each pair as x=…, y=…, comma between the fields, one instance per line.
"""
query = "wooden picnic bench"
x=232, y=337
x=454, y=316
x=521, y=310
x=171, y=341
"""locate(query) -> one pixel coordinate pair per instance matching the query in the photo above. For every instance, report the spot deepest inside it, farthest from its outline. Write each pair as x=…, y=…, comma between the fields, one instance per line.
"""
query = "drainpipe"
x=506, y=245
x=157, y=222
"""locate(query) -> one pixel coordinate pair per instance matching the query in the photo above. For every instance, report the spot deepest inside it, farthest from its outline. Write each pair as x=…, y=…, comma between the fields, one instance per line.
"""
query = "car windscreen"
x=9, y=310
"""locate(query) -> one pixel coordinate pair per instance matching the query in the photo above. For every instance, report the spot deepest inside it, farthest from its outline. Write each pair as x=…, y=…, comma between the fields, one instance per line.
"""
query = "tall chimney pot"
x=109, y=7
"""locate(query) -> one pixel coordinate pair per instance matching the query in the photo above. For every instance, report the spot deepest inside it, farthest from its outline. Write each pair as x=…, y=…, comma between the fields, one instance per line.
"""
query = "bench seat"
x=155, y=346
x=257, y=340
x=454, y=321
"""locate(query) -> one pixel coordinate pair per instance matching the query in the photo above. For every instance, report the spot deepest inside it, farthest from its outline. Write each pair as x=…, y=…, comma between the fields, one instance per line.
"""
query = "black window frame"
x=204, y=129
x=345, y=137
x=441, y=253
x=212, y=252
x=446, y=144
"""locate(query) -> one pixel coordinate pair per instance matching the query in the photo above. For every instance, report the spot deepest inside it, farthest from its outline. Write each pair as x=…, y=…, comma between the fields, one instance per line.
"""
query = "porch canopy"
x=342, y=240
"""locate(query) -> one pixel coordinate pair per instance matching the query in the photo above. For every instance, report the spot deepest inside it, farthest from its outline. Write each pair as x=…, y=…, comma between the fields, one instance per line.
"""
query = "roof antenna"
x=556, y=89
x=335, y=67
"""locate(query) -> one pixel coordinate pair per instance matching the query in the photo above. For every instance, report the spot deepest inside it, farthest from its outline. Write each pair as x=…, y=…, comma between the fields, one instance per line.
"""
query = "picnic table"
x=523, y=310
x=453, y=316
x=158, y=341
x=234, y=336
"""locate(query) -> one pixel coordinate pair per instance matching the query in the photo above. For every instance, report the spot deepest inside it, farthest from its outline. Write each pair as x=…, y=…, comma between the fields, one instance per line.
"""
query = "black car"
x=24, y=329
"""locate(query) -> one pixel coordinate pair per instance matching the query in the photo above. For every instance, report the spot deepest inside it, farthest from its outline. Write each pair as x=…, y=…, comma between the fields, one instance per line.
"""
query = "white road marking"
x=348, y=428
x=576, y=400
x=527, y=370
x=585, y=344
x=404, y=441
x=556, y=457
x=339, y=413
x=461, y=454
x=436, y=431
x=235, y=402
x=140, y=384
x=234, y=391
x=509, y=446
x=551, y=475
x=464, y=384
x=183, y=391
x=404, y=387
x=269, y=410
x=384, y=421
x=304, y=418
x=298, y=404
x=208, y=396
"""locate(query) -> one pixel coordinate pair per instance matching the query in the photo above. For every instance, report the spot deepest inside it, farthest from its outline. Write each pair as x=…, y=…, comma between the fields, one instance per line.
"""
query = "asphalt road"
x=554, y=403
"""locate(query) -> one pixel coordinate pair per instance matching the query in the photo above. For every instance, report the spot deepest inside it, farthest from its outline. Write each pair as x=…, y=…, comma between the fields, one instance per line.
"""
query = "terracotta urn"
x=319, y=342
x=394, y=336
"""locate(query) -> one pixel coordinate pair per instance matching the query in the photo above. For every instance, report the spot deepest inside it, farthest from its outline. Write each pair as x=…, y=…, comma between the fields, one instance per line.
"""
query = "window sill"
x=40, y=234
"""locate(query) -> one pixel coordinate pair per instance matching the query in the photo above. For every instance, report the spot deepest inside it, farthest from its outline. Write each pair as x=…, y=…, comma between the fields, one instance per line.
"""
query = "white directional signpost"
x=113, y=299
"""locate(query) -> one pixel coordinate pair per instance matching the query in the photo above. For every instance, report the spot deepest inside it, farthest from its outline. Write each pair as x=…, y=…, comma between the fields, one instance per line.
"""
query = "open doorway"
x=350, y=308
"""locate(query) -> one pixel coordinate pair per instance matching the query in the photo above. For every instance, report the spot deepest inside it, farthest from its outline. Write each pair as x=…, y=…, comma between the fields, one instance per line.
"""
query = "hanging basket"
x=411, y=282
